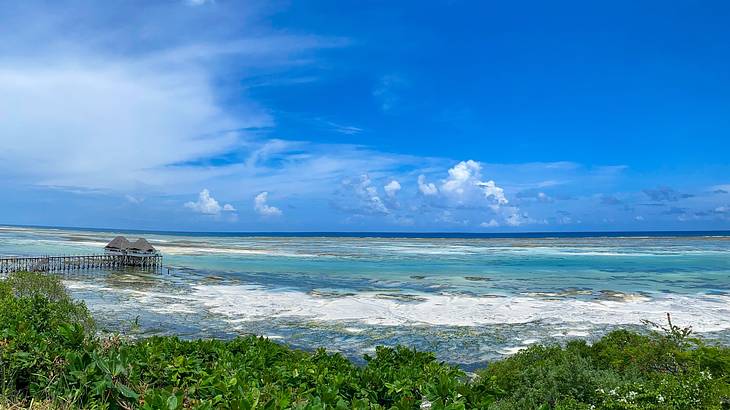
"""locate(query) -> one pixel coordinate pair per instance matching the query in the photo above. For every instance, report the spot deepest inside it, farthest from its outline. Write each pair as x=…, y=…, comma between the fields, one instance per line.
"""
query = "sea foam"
x=243, y=302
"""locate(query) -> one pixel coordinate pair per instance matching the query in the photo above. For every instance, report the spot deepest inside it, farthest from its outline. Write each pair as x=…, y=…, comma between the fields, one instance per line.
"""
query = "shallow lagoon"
x=468, y=299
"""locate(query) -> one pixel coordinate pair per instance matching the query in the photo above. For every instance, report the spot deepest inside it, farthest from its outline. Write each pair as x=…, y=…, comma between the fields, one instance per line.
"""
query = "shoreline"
x=359, y=322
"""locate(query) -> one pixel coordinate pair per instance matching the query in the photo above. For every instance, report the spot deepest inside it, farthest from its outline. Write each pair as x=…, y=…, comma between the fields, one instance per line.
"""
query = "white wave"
x=243, y=303
x=94, y=244
x=508, y=351
x=201, y=250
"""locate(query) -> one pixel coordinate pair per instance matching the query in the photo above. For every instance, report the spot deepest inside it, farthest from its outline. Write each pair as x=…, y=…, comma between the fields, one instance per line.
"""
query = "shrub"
x=38, y=324
x=623, y=370
x=50, y=356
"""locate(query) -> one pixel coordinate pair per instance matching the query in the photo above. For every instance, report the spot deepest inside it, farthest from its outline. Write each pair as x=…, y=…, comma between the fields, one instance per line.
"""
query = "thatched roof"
x=119, y=243
x=141, y=245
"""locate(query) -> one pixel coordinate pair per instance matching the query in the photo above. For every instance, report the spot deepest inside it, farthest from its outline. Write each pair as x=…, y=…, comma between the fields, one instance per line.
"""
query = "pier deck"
x=79, y=262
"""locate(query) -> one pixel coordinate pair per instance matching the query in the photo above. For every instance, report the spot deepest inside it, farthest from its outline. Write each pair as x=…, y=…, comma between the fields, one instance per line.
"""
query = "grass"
x=50, y=358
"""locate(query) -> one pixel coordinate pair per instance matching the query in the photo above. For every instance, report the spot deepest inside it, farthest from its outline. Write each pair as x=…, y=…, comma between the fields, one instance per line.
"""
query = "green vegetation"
x=50, y=358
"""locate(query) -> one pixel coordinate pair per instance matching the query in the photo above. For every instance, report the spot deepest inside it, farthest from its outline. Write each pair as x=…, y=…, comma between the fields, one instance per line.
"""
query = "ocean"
x=470, y=298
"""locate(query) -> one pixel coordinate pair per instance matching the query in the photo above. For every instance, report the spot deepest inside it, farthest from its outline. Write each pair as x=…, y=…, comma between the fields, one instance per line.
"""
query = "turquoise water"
x=468, y=299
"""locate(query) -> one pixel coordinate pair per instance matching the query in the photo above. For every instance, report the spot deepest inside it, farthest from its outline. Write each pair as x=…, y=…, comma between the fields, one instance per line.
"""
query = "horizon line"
x=718, y=232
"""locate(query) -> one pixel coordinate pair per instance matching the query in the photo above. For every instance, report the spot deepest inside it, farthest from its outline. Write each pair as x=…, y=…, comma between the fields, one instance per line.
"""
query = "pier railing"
x=78, y=262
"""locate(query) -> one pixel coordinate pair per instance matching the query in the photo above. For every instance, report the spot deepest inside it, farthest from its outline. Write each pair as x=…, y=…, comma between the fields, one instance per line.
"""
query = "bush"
x=50, y=356
x=623, y=370
x=39, y=323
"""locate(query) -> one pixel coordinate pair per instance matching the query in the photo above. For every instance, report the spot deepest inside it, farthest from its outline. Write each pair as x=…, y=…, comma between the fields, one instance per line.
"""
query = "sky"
x=447, y=116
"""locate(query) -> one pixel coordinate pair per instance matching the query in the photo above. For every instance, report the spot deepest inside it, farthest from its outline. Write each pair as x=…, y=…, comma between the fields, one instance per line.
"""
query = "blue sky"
x=377, y=116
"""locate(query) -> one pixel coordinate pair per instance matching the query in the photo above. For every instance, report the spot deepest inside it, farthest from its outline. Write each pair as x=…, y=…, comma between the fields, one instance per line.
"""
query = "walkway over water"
x=80, y=262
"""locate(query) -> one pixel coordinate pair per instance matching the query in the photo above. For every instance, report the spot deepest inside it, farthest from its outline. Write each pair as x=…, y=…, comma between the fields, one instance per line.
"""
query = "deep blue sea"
x=468, y=297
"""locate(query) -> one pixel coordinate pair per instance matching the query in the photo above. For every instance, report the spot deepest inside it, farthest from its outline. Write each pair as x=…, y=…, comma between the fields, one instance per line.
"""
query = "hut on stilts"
x=138, y=253
x=117, y=254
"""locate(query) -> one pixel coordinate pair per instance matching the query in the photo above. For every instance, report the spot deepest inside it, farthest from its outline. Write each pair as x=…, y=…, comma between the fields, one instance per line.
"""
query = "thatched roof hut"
x=119, y=243
x=141, y=245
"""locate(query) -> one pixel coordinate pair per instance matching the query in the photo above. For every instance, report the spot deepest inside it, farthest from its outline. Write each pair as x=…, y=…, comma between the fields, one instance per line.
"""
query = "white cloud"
x=460, y=176
x=261, y=206
x=464, y=182
x=343, y=129
x=491, y=224
x=467, y=191
x=106, y=127
x=369, y=195
x=493, y=193
x=536, y=196
x=99, y=107
x=515, y=218
x=105, y=108
x=721, y=189
x=543, y=197
x=392, y=188
x=426, y=188
x=208, y=205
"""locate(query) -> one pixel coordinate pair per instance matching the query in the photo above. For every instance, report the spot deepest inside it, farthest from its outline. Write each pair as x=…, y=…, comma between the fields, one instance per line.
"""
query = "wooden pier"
x=59, y=264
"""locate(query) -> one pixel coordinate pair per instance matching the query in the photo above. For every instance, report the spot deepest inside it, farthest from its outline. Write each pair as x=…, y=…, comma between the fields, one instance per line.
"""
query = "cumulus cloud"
x=369, y=195
x=514, y=219
x=392, y=188
x=461, y=177
x=465, y=189
x=426, y=188
x=464, y=185
x=208, y=205
x=494, y=193
x=261, y=206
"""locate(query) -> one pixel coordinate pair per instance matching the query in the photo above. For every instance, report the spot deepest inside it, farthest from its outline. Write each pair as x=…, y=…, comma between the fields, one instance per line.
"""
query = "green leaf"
x=127, y=392
x=172, y=402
